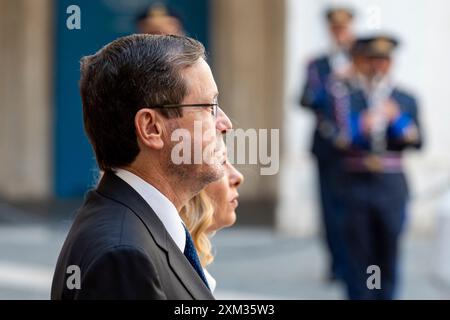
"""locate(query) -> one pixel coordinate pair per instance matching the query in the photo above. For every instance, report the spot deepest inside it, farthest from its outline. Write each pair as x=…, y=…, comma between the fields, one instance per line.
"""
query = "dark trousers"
x=375, y=209
x=332, y=214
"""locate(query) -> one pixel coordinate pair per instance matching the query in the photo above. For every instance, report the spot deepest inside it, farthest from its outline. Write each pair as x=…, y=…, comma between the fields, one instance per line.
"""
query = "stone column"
x=248, y=46
x=25, y=99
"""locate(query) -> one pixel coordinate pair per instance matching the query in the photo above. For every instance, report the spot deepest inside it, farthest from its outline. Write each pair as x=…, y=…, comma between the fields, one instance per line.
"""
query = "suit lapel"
x=115, y=188
x=187, y=274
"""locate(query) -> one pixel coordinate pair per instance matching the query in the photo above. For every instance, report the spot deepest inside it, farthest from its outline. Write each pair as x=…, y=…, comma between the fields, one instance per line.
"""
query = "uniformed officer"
x=378, y=122
x=321, y=73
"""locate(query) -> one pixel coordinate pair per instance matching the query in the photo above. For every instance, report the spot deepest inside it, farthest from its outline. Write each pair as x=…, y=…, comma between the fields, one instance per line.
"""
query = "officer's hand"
x=390, y=110
x=367, y=122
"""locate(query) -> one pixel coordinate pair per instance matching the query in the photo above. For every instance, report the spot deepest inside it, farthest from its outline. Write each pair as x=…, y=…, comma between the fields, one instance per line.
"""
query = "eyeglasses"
x=214, y=107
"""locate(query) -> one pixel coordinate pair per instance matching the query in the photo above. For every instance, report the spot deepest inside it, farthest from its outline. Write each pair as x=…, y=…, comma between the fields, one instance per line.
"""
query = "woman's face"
x=224, y=195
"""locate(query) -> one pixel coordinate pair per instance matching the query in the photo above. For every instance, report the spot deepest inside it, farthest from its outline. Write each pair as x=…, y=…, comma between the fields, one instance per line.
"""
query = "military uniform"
x=317, y=97
x=373, y=183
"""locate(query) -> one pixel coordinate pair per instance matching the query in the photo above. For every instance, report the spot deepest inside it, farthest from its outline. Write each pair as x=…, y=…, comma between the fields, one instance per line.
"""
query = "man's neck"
x=175, y=192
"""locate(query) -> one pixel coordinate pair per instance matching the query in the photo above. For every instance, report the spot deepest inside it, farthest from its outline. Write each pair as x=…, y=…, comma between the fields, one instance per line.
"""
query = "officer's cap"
x=338, y=16
x=380, y=46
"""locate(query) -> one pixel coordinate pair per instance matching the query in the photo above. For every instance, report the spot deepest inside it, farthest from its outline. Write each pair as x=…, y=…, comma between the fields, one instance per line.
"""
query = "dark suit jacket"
x=123, y=251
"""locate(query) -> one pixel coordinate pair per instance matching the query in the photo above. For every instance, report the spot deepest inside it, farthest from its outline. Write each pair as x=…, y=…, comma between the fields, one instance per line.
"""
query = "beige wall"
x=247, y=49
x=25, y=106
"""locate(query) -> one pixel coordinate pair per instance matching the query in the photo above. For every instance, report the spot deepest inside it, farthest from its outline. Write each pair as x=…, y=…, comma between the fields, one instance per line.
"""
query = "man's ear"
x=149, y=128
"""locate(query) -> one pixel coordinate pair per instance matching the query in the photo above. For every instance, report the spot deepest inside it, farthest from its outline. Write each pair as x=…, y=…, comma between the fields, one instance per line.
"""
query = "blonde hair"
x=198, y=215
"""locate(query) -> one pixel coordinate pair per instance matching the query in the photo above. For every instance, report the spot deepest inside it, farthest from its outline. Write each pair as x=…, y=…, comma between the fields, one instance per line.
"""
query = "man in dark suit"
x=127, y=240
x=321, y=74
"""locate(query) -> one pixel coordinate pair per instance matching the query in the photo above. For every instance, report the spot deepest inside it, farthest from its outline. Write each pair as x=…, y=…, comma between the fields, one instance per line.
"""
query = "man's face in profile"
x=204, y=128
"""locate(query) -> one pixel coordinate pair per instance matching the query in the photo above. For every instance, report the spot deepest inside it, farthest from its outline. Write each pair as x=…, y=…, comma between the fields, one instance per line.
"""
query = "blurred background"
x=258, y=50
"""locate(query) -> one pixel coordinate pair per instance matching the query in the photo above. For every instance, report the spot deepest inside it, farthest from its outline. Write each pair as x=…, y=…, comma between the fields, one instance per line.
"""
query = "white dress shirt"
x=211, y=281
x=164, y=209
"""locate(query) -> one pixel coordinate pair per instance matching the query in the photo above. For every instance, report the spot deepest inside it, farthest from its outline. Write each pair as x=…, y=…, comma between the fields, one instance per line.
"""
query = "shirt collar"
x=210, y=279
x=163, y=207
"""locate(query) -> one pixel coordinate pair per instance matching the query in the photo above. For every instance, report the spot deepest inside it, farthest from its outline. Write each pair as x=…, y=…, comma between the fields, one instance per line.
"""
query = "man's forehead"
x=200, y=80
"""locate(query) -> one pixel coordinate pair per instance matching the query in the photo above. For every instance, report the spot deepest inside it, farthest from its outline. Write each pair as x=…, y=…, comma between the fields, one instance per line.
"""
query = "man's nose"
x=223, y=123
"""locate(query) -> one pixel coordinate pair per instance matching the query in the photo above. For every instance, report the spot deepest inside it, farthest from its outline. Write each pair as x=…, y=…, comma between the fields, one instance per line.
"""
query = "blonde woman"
x=212, y=209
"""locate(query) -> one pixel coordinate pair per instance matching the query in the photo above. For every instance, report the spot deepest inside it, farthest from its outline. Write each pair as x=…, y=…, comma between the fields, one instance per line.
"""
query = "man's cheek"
x=210, y=146
x=209, y=135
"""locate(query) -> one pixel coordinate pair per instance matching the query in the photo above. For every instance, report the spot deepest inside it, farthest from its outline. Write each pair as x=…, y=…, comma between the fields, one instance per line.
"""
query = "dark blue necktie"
x=191, y=254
